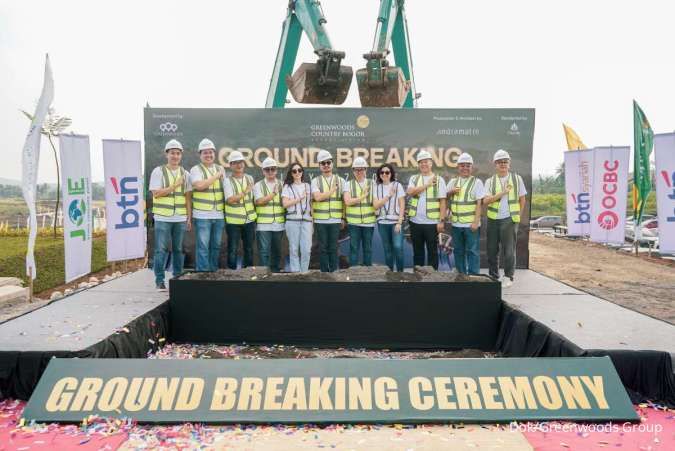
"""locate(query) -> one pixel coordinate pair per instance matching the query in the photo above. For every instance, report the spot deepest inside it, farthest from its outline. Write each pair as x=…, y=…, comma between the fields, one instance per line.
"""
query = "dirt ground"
x=643, y=284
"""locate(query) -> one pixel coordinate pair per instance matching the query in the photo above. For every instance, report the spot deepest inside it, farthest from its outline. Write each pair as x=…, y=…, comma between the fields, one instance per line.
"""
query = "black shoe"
x=160, y=287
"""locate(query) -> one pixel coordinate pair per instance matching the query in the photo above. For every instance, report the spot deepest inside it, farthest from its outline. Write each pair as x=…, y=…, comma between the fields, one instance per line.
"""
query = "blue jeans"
x=209, y=234
x=465, y=243
x=393, y=246
x=269, y=249
x=328, y=235
x=168, y=235
x=299, y=235
x=360, y=238
x=235, y=232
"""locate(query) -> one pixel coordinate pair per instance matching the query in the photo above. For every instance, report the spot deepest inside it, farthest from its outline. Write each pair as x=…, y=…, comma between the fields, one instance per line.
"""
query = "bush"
x=554, y=205
x=49, y=257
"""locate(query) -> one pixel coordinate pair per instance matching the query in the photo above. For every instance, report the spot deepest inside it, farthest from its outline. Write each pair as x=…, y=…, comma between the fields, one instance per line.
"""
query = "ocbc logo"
x=608, y=219
x=168, y=127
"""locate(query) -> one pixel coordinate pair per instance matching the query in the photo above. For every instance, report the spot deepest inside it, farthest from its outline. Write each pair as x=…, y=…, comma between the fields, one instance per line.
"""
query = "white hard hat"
x=323, y=156
x=206, y=144
x=465, y=158
x=501, y=155
x=173, y=144
x=235, y=155
x=359, y=162
x=423, y=155
x=269, y=162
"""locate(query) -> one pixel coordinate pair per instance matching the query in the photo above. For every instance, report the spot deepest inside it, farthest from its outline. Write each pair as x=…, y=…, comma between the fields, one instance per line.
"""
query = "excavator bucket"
x=385, y=87
x=309, y=84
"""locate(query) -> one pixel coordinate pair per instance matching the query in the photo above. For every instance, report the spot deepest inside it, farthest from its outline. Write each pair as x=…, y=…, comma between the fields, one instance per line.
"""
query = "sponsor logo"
x=670, y=183
x=582, y=205
x=168, y=128
x=77, y=209
x=127, y=192
x=608, y=219
x=363, y=121
x=513, y=129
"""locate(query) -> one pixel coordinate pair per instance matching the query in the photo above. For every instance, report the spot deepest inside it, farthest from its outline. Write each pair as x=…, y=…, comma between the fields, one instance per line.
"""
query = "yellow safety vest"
x=433, y=203
x=363, y=212
x=463, y=204
x=332, y=207
x=514, y=204
x=245, y=208
x=274, y=211
x=174, y=203
x=210, y=198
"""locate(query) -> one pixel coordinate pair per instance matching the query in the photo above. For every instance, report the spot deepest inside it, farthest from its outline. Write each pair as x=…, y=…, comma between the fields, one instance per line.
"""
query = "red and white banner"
x=664, y=155
x=578, y=186
x=77, y=217
x=125, y=223
x=609, y=194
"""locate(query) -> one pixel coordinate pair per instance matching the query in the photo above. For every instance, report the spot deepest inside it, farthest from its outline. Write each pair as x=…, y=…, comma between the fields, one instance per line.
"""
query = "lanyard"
x=387, y=206
x=303, y=204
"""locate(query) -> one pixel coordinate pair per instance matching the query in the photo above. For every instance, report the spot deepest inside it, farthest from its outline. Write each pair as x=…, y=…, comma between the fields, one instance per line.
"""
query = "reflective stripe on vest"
x=332, y=207
x=464, y=203
x=363, y=212
x=433, y=203
x=245, y=208
x=514, y=203
x=174, y=203
x=210, y=198
x=273, y=211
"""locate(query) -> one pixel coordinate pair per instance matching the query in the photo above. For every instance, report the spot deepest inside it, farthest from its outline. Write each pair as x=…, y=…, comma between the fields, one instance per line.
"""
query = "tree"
x=53, y=126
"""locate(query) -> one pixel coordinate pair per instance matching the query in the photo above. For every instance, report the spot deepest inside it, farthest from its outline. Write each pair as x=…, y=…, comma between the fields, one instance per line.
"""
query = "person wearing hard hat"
x=271, y=216
x=465, y=193
x=240, y=215
x=358, y=197
x=389, y=204
x=505, y=199
x=427, y=211
x=296, y=198
x=207, y=206
x=327, y=206
x=172, y=211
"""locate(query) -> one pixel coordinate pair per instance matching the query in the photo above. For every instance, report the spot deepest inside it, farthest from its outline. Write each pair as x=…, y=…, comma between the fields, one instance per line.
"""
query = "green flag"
x=643, y=142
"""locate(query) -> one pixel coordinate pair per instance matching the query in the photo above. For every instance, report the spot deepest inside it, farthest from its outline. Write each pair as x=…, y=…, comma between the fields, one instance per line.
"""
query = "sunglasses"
x=296, y=171
x=326, y=163
x=270, y=169
x=385, y=172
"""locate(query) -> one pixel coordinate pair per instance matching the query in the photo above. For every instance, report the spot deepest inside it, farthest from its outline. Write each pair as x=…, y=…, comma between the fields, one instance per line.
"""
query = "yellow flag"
x=573, y=140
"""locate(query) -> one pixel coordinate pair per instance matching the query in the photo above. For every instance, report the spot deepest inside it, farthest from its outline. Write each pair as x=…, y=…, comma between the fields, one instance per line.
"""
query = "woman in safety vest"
x=389, y=203
x=271, y=216
x=358, y=197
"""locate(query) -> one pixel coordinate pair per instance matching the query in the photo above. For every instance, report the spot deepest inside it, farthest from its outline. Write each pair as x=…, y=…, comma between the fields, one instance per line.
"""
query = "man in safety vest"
x=240, y=212
x=358, y=197
x=427, y=211
x=271, y=216
x=465, y=193
x=171, y=208
x=207, y=206
x=505, y=199
x=327, y=207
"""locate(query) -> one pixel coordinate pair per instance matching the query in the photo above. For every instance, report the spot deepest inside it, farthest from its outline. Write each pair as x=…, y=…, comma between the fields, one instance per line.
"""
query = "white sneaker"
x=507, y=282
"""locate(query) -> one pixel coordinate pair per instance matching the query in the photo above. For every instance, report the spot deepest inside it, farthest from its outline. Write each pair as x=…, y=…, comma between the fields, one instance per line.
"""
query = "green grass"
x=49, y=258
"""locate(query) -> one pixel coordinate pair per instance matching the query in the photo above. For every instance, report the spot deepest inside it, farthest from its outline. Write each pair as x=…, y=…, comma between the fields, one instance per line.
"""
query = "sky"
x=581, y=62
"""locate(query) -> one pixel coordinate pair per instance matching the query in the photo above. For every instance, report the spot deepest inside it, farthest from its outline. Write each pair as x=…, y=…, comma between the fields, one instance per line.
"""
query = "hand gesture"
x=432, y=181
x=178, y=183
x=455, y=190
x=248, y=189
x=507, y=190
x=221, y=172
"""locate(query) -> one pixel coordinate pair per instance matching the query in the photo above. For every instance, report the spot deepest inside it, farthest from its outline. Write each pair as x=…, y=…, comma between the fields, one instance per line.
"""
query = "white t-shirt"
x=340, y=188
x=477, y=193
x=303, y=209
x=229, y=190
x=421, y=216
x=257, y=194
x=504, y=201
x=363, y=186
x=196, y=175
x=391, y=208
x=156, y=183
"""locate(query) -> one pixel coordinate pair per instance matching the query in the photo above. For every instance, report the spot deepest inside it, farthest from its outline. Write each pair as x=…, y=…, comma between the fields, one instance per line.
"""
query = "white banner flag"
x=578, y=186
x=664, y=155
x=124, y=203
x=609, y=194
x=30, y=160
x=77, y=217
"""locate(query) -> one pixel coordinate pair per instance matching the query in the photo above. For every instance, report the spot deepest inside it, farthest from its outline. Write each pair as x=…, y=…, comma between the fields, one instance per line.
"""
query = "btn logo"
x=127, y=190
x=583, y=206
x=670, y=183
x=608, y=219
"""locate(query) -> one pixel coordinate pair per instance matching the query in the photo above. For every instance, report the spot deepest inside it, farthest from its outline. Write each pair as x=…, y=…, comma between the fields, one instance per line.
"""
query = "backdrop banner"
x=578, y=185
x=76, y=193
x=124, y=203
x=664, y=154
x=378, y=135
x=609, y=194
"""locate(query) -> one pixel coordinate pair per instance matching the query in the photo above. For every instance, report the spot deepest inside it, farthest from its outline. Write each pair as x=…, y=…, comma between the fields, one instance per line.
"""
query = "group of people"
x=209, y=200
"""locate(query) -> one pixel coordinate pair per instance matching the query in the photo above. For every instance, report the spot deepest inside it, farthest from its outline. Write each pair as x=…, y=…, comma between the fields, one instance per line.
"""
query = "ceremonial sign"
x=331, y=390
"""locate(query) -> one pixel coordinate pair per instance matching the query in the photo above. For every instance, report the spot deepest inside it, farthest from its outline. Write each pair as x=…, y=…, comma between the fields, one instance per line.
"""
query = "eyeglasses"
x=270, y=169
x=296, y=171
x=502, y=161
x=326, y=163
x=359, y=169
x=385, y=172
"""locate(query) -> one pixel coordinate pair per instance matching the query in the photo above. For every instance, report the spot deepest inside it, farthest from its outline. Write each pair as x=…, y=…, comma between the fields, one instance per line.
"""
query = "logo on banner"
x=582, y=205
x=77, y=209
x=127, y=199
x=608, y=218
x=168, y=128
x=670, y=183
x=513, y=130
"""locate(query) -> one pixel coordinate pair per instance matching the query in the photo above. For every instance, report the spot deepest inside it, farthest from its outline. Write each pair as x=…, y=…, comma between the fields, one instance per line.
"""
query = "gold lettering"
x=249, y=395
x=260, y=155
x=386, y=395
x=138, y=395
x=360, y=152
x=222, y=156
x=489, y=393
x=409, y=157
x=190, y=393
x=113, y=394
x=415, y=386
x=466, y=389
x=517, y=389
x=340, y=393
x=394, y=157
x=164, y=393
x=443, y=392
x=436, y=156
x=595, y=386
x=360, y=393
x=573, y=392
x=319, y=398
x=295, y=397
x=547, y=392
x=85, y=399
x=344, y=157
x=248, y=155
x=224, y=394
x=313, y=152
x=298, y=157
x=272, y=392
x=451, y=156
x=376, y=156
x=59, y=399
